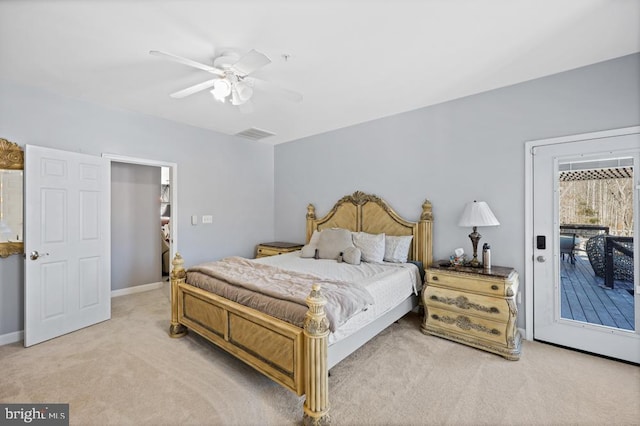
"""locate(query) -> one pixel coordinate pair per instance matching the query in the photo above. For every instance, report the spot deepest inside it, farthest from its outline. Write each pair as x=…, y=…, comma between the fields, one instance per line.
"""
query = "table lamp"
x=477, y=214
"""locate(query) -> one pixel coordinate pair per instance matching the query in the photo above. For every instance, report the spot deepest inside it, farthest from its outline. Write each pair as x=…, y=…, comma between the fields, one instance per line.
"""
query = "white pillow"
x=396, y=249
x=314, y=238
x=371, y=246
x=309, y=250
x=332, y=242
x=352, y=255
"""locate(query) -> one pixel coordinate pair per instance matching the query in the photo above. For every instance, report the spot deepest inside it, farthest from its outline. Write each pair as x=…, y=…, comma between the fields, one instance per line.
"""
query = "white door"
x=551, y=323
x=67, y=242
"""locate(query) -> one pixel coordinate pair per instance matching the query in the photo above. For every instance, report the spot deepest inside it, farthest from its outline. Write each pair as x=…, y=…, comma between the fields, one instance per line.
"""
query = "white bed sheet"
x=388, y=283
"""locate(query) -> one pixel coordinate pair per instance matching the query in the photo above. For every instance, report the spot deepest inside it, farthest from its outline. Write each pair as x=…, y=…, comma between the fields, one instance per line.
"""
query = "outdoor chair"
x=568, y=246
x=622, y=256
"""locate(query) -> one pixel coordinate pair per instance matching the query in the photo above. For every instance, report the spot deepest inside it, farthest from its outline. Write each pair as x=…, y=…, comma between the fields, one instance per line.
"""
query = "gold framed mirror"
x=11, y=198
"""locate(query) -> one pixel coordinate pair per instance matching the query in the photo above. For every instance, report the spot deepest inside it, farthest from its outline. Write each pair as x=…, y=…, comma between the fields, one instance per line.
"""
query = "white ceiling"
x=353, y=61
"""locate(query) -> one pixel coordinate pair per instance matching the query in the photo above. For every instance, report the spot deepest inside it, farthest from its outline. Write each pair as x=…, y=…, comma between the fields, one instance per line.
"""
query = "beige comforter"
x=278, y=292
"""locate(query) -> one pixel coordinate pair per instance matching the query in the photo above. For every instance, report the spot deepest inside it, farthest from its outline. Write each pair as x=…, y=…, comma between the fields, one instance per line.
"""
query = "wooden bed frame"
x=297, y=358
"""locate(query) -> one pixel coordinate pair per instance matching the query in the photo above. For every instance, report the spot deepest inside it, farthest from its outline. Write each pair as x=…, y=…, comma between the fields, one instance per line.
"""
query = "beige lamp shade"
x=477, y=213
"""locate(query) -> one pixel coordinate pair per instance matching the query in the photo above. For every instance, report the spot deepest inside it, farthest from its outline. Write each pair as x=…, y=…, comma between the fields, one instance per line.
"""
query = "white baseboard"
x=522, y=333
x=136, y=289
x=16, y=336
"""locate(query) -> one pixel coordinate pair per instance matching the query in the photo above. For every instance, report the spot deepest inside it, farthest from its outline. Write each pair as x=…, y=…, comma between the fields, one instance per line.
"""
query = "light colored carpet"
x=123, y=372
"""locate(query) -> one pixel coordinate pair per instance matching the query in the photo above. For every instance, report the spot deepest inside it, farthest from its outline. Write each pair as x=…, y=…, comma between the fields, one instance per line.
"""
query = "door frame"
x=173, y=190
x=528, y=206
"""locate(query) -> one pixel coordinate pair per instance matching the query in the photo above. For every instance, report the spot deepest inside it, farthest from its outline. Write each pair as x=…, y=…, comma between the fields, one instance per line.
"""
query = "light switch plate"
x=207, y=218
x=194, y=219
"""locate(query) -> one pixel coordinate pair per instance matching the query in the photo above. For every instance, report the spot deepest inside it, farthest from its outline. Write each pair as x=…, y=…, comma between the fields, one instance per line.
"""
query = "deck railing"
x=583, y=230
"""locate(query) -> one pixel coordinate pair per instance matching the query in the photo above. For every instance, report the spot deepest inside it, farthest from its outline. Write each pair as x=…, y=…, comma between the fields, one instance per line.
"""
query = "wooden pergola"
x=596, y=174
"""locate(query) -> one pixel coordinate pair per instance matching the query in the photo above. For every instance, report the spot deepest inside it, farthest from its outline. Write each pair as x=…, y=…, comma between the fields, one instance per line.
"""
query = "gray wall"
x=227, y=177
x=136, y=245
x=467, y=149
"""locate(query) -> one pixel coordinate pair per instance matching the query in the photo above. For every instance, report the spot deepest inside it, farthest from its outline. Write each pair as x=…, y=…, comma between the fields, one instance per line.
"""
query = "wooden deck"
x=585, y=298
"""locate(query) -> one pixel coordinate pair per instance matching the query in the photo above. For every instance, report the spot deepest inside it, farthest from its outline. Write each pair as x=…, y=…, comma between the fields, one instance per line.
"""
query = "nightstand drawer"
x=465, y=327
x=269, y=251
x=475, y=284
x=496, y=309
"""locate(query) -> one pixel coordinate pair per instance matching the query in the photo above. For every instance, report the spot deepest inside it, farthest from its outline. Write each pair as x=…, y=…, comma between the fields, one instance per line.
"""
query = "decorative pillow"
x=332, y=242
x=396, y=249
x=315, y=237
x=352, y=255
x=309, y=250
x=371, y=245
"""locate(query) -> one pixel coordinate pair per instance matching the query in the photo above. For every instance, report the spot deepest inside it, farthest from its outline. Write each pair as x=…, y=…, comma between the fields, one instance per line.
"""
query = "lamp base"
x=475, y=237
x=474, y=263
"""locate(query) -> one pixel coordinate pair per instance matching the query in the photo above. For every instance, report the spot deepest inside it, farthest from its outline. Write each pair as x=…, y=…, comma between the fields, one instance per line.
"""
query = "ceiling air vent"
x=254, y=134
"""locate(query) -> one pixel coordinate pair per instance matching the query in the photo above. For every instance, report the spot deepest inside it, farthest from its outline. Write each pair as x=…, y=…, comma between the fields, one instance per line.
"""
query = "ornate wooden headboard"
x=362, y=212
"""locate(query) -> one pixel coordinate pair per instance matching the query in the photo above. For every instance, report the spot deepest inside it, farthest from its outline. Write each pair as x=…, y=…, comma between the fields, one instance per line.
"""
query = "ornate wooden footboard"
x=294, y=357
x=285, y=353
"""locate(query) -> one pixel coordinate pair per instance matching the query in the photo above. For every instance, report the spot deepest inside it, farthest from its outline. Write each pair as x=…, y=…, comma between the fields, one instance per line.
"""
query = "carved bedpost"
x=311, y=216
x=178, y=275
x=425, y=230
x=316, y=332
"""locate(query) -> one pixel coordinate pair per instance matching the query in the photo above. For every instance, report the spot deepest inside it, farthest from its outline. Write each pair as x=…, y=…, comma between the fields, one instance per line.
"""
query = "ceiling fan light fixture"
x=244, y=91
x=235, y=98
x=221, y=89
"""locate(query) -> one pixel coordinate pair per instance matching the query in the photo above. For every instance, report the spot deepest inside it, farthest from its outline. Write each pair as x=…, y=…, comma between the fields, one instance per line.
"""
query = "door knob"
x=35, y=255
x=541, y=259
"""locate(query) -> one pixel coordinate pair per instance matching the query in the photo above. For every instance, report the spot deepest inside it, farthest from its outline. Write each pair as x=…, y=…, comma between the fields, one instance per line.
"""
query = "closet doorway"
x=160, y=178
x=165, y=220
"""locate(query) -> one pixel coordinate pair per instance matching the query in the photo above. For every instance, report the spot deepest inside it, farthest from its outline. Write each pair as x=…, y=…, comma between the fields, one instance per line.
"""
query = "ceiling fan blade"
x=187, y=62
x=287, y=94
x=193, y=89
x=250, y=62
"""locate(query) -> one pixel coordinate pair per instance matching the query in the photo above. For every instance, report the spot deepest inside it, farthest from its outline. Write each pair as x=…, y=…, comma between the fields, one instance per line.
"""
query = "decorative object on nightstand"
x=486, y=257
x=275, y=248
x=458, y=257
x=477, y=214
x=473, y=306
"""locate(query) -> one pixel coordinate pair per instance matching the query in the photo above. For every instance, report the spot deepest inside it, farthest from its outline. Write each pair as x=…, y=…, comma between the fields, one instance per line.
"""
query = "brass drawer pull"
x=494, y=287
x=435, y=278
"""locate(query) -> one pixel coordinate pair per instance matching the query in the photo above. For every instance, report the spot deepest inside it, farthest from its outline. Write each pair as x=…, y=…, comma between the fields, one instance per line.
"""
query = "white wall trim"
x=173, y=190
x=528, y=206
x=15, y=337
x=136, y=289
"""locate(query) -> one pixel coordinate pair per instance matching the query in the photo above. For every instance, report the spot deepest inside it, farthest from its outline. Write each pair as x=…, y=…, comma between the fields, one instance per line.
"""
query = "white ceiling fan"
x=232, y=81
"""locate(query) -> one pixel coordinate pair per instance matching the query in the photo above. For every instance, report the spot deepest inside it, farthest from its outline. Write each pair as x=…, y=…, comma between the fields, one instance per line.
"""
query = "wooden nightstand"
x=276, y=247
x=474, y=307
